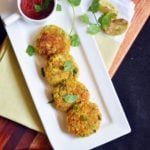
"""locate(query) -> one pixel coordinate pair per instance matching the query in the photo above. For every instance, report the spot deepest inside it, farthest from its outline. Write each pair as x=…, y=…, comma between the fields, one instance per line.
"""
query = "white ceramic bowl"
x=17, y=15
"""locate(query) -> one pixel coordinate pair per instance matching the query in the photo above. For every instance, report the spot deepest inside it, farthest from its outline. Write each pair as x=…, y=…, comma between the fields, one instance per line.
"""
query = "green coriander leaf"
x=94, y=7
x=42, y=72
x=68, y=66
x=30, y=50
x=38, y=8
x=58, y=8
x=83, y=118
x=85, y=18
x=105, y=20
x=74, y=40
x=74, y=2
x=75, y=108
x=93, y=29
x=46, y=4
x=71, y=98
x=75, y=70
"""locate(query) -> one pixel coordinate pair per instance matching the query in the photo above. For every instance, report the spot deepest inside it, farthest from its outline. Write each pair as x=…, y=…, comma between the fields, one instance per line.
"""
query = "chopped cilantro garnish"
x=93, y=29
x=42, y=72
x=58, y=8
x=38, y=8
x=44, y=6
x=106, y=19
x=94, y=7
x=75, y=108
x=74, y=2
x=71, y=98
x=30, y=50
x=85, y=18
x=74, y=40
x=83, y=118
x=75, y=70
x=68, y=66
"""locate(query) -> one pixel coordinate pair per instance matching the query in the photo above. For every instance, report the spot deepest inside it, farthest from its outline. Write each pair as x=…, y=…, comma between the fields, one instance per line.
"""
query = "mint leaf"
x=74, y=40
x=94, y=7
x=85, y=18
x=71, y=98
x=58, y=7
x=68, y=66
x=30, y=50
x=74, y=2
x=93, y=29
x=38, y=8
x=105, y=20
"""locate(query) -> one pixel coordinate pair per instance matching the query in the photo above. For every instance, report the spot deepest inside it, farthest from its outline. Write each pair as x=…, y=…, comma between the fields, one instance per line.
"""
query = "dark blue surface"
x=132, y=83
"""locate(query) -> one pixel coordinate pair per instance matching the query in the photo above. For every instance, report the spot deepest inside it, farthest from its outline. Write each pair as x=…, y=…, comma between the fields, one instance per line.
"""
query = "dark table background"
x=132, y=83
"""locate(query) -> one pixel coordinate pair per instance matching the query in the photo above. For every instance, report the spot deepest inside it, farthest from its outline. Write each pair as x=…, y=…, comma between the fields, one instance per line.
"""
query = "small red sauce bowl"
x=27, y=8
x=34, y=11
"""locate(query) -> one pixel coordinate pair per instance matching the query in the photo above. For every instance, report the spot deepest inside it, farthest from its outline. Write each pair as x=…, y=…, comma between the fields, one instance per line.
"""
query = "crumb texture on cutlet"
x=61, y=72
x=83, y=119
x=52, y=40
x=60, y=67
x=67, y=88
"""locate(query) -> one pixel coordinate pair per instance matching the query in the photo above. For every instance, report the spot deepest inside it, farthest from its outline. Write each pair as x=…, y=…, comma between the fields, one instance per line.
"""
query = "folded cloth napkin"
x=15, y=101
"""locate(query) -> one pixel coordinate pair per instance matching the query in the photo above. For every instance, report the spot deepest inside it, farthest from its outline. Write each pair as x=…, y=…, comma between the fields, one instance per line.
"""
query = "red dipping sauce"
x=37, y=9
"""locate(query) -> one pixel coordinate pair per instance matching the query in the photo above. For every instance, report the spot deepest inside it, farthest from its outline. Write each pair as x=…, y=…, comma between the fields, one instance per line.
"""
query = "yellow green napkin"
x=15, y=101
x=108, y=48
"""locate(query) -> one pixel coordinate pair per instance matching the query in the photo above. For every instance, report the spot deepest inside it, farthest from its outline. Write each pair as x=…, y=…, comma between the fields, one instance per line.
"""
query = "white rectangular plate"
x=92, y=73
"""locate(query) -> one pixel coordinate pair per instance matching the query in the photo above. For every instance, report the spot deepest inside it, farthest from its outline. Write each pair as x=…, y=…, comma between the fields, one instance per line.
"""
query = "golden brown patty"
x=60, y=67
x=52, y=40
x=69, y=92
x=83, y=119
